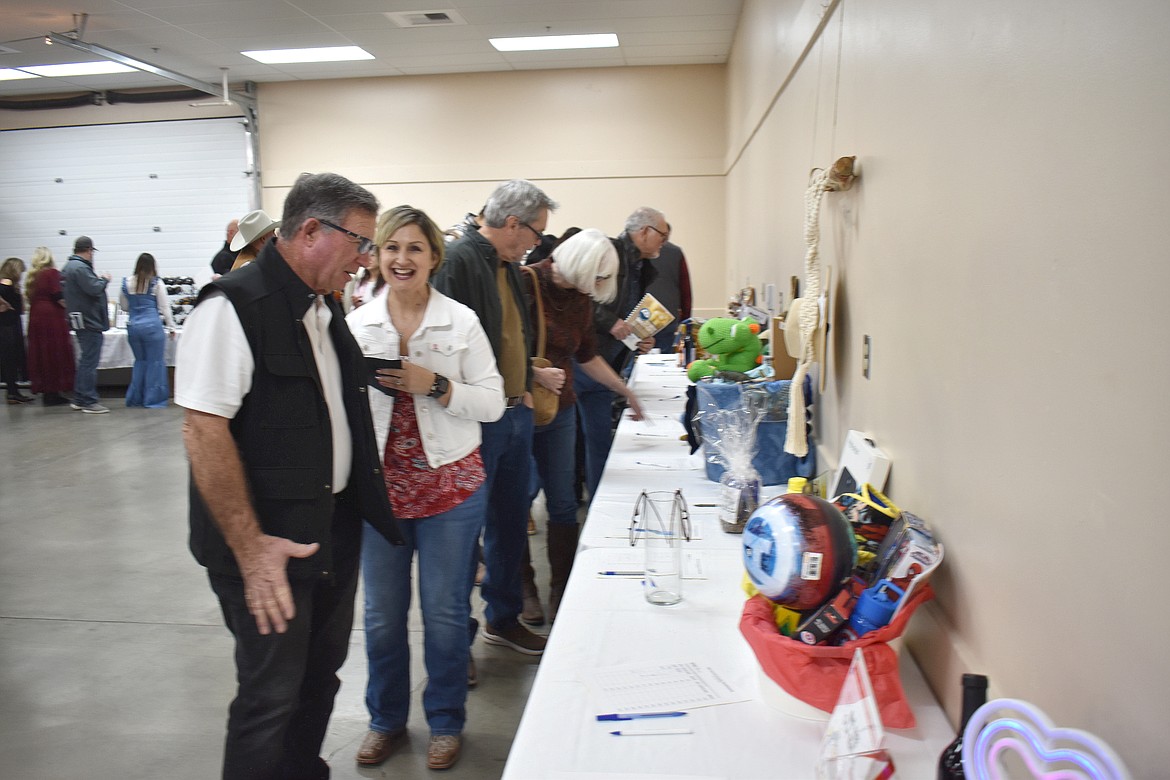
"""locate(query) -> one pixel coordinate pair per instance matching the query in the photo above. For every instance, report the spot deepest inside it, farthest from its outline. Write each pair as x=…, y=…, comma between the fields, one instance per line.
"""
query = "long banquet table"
x=116, y=352
x=605, y=622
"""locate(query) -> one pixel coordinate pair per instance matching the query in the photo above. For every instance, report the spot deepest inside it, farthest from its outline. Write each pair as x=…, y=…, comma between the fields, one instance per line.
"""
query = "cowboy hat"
x=253, y=225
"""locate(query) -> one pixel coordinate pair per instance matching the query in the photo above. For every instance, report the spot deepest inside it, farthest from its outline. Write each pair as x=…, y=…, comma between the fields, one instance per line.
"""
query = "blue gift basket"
x=774, y=464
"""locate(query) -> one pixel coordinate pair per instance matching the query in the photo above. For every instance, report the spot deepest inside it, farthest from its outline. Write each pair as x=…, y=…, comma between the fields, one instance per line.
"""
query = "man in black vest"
x=284, y=468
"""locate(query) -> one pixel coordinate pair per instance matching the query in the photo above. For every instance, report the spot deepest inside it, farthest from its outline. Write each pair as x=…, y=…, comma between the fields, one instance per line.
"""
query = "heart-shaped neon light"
x=1007, y=726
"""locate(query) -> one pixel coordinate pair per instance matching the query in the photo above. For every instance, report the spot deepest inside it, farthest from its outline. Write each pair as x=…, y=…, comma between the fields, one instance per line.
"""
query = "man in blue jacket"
x=85, y=300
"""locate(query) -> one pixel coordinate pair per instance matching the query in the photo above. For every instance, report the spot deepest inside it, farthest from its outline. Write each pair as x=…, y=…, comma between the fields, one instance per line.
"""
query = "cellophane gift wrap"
x=749, y=417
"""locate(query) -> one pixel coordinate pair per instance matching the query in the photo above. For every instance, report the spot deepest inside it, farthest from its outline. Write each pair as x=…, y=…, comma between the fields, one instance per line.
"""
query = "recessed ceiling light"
x=324, y=54
x=77, y=69
x=545, y=42
x=11, y=74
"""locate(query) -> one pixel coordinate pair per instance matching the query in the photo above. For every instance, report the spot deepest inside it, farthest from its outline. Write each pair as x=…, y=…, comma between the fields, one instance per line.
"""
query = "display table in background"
x=604, y=621
x=116, y=352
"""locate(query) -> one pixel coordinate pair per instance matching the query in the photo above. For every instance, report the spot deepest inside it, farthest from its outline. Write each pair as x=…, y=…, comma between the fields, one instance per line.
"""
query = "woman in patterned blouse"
x=427, y=414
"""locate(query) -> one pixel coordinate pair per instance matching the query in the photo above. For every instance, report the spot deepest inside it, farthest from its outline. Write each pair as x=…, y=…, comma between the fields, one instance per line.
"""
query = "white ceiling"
x=199, y=37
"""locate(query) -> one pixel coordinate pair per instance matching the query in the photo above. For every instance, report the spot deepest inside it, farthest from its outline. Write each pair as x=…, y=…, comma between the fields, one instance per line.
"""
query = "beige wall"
x=601, y=142
x=1005, y=249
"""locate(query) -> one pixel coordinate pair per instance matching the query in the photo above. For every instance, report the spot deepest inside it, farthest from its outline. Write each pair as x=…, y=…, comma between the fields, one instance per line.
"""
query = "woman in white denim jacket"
x=429, y=434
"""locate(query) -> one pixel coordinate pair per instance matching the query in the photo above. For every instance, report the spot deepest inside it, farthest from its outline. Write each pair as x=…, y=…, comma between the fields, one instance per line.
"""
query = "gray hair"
x=583, y=257
x=642, y=217
x=324, y=196
x=518, y=198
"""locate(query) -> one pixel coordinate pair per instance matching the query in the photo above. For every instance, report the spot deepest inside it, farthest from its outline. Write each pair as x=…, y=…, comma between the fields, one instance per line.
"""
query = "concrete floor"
x=114, y=661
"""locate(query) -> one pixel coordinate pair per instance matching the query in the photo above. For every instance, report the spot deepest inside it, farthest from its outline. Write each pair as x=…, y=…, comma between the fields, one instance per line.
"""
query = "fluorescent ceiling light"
x=77, y=69
x=325, y=54
x=11, y=74
x=545, y=42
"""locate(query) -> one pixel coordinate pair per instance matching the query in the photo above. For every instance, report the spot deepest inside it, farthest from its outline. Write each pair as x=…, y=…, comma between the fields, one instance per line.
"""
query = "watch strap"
x=439, y=387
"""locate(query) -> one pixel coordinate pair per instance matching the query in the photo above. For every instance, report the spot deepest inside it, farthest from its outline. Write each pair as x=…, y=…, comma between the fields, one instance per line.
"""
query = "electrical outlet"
x=865, y=356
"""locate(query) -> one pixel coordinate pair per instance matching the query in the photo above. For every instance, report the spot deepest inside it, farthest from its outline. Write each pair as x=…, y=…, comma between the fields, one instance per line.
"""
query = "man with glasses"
x=646, y=232
x=283, y=470
x=481, y=272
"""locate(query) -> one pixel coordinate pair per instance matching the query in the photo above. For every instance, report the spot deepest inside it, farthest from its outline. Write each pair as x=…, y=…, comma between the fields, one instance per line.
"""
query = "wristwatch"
x=440, y=387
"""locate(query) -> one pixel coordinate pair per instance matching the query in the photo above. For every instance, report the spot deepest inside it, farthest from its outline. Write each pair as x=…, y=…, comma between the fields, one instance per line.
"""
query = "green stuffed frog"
x=734, y=346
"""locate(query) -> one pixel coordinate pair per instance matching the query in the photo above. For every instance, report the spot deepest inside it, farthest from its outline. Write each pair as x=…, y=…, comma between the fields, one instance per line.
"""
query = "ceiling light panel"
x=68, y=69
x=324, y=54
x=551, y=42
x=12, y=74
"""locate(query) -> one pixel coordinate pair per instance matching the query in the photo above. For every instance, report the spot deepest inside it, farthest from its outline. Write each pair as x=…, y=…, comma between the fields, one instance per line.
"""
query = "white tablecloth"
x=116, y=352
x=605, y=621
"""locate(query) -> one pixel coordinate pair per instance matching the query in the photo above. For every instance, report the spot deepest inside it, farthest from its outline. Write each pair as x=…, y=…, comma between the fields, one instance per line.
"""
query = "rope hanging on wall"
x=814, y=301
x=796, y=438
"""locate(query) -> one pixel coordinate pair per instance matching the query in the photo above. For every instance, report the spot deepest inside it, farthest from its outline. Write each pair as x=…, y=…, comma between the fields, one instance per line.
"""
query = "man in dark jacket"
x=85, y=301
x=225, y=257
x=480, y=272
x=284, y=468
x=646, y=231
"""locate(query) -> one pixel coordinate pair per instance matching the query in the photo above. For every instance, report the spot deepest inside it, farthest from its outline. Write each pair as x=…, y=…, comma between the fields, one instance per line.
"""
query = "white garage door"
x=167, y=188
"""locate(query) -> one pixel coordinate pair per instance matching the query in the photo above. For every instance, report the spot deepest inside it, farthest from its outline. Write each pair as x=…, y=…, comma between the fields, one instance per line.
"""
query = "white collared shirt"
x=214, y=368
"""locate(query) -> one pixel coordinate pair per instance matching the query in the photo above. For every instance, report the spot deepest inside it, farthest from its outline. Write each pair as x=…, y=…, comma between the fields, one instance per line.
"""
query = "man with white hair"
x=641, y=241
x=222, y=262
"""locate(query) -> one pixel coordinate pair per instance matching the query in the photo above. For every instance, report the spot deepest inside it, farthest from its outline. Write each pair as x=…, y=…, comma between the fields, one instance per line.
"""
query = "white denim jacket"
x=449, y=341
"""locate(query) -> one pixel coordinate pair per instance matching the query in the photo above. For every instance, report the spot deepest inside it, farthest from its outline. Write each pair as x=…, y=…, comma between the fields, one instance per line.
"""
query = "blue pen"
x=621, y=573
x=639, y=715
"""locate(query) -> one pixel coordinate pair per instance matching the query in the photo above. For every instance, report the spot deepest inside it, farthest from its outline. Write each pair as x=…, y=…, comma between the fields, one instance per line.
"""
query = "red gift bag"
x=814, y=674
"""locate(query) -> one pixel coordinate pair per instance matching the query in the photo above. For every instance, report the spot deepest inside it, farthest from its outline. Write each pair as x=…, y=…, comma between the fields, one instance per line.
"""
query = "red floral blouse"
x=415, y=489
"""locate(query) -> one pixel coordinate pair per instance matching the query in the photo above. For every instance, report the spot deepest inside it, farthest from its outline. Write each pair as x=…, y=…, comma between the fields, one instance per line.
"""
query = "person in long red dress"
x=50, y=350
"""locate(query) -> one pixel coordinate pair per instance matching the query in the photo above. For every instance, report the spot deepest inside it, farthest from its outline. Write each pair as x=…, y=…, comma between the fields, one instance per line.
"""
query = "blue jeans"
x=595, y=405
x=148, y=380
x=507, y=452
x=85, y=385
x=554, y=450
x=444, y=544
x=287, y=682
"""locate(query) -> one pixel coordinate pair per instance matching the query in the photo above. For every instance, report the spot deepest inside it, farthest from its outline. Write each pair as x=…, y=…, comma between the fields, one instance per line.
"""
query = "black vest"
x=283, y=433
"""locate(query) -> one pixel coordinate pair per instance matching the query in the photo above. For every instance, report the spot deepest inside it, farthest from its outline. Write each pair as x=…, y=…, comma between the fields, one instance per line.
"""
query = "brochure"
x=647, y=318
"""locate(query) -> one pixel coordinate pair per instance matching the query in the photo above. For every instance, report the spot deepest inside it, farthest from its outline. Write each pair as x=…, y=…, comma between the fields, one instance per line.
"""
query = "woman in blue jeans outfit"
x=145, y=298
x=580, y=269
x=427, y=405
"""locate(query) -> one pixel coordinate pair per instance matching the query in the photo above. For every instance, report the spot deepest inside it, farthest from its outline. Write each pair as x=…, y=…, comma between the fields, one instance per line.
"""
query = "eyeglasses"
x=365, y=245
x=676, y=524
x=665, y=236
x=535, y=232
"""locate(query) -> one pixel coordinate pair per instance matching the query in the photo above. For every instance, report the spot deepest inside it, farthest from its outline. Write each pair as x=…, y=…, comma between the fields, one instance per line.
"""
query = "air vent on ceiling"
x=439, y=18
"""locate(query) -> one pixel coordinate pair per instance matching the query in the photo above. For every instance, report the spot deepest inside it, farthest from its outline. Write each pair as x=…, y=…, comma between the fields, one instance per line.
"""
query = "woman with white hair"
x=581, y=269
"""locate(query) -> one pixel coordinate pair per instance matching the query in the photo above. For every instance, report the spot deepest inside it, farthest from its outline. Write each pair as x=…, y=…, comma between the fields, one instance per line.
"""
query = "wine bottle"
x=950, y=763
